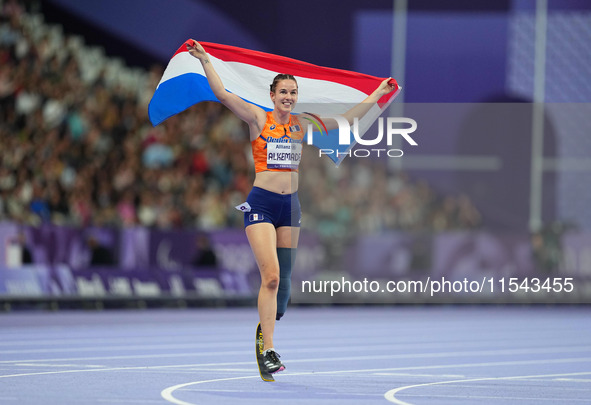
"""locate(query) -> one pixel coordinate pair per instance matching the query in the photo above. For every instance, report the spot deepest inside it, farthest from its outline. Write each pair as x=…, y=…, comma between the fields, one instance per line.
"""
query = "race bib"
x=284, y=155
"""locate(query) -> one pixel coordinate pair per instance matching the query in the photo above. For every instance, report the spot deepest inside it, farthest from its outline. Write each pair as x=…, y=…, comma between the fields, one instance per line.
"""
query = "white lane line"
x=128, y=401
x=464, y=365
x=391, y=395
x=436, y=367
x=56, y=365
x=501, y=352
x=118, y=345
x=51, y=341
x=502, y=398
x=167, y=392
x=233, y=370
x=422, y=375
x=126, y=357
x=583, y=380
x=86, y=370
x=109, y=348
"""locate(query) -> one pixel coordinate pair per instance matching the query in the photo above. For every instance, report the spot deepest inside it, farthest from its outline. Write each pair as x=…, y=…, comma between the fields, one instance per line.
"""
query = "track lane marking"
x=391, y=395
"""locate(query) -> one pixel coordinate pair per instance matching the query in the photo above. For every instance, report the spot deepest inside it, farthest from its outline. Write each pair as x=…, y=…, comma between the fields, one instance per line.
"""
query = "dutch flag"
x=248, y=74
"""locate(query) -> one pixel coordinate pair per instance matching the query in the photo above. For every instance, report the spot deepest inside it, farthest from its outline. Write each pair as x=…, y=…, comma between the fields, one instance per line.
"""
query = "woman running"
x=272, y=210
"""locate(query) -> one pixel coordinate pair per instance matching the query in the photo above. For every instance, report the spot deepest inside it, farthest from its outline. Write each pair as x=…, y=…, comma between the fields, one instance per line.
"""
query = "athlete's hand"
x=196, y=50
x=387, y=86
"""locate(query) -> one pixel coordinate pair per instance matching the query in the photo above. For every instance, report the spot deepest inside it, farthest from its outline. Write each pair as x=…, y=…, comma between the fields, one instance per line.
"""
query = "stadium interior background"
x=98, y=208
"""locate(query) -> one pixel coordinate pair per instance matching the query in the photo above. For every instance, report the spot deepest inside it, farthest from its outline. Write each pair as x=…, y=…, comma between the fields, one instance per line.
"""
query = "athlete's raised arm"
x=250, y=113
x=360, y=109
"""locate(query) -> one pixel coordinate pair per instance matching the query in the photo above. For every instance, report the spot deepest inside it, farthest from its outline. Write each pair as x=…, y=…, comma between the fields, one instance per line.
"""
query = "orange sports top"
x=279, y=147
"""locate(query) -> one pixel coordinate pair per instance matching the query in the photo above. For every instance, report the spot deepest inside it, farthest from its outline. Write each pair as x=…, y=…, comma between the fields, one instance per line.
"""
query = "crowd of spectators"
x=78, y=149
x=367, y=196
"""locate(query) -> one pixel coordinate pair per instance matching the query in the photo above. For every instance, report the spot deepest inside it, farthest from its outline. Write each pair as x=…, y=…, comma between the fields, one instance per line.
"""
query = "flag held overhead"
x=248, y=73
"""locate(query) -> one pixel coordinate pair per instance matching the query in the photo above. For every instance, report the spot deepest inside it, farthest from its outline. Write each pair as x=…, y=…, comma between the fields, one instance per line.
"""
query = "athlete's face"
x=285, y=96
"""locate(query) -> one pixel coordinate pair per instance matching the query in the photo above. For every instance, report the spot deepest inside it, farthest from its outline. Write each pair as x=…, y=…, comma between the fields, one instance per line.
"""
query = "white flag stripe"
x=251, y=82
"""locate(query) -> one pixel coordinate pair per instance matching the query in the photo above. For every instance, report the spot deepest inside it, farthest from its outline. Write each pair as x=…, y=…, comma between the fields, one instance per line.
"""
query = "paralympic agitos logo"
x=392, y=128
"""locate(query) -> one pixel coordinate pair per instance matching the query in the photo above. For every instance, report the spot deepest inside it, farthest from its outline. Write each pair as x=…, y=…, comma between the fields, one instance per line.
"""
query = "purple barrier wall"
x=145, y=263
x=158, y=263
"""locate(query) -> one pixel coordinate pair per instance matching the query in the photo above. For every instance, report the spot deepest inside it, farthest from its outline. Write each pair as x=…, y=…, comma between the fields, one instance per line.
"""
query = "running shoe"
x=272, y=362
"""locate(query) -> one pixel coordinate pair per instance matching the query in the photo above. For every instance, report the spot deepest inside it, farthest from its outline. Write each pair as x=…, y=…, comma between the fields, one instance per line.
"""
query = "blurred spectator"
x=205, y=255
x=39, y=205
x=100, y=255
x=21, y=241
x=546, y=246
x=126, y=209
x=147, y=210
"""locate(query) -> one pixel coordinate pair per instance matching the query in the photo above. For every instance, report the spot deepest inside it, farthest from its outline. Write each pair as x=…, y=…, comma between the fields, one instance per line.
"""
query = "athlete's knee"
x=271, y=283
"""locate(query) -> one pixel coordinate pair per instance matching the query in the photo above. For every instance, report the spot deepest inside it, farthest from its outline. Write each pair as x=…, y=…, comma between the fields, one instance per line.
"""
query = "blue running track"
x=353, y=355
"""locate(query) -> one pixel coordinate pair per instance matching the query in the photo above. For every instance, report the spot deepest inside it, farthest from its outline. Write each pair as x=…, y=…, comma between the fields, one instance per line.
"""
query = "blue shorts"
x=276, y=209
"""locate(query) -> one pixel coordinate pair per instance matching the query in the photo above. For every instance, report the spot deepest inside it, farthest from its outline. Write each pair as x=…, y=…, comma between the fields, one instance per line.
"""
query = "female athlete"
x=272, y=210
